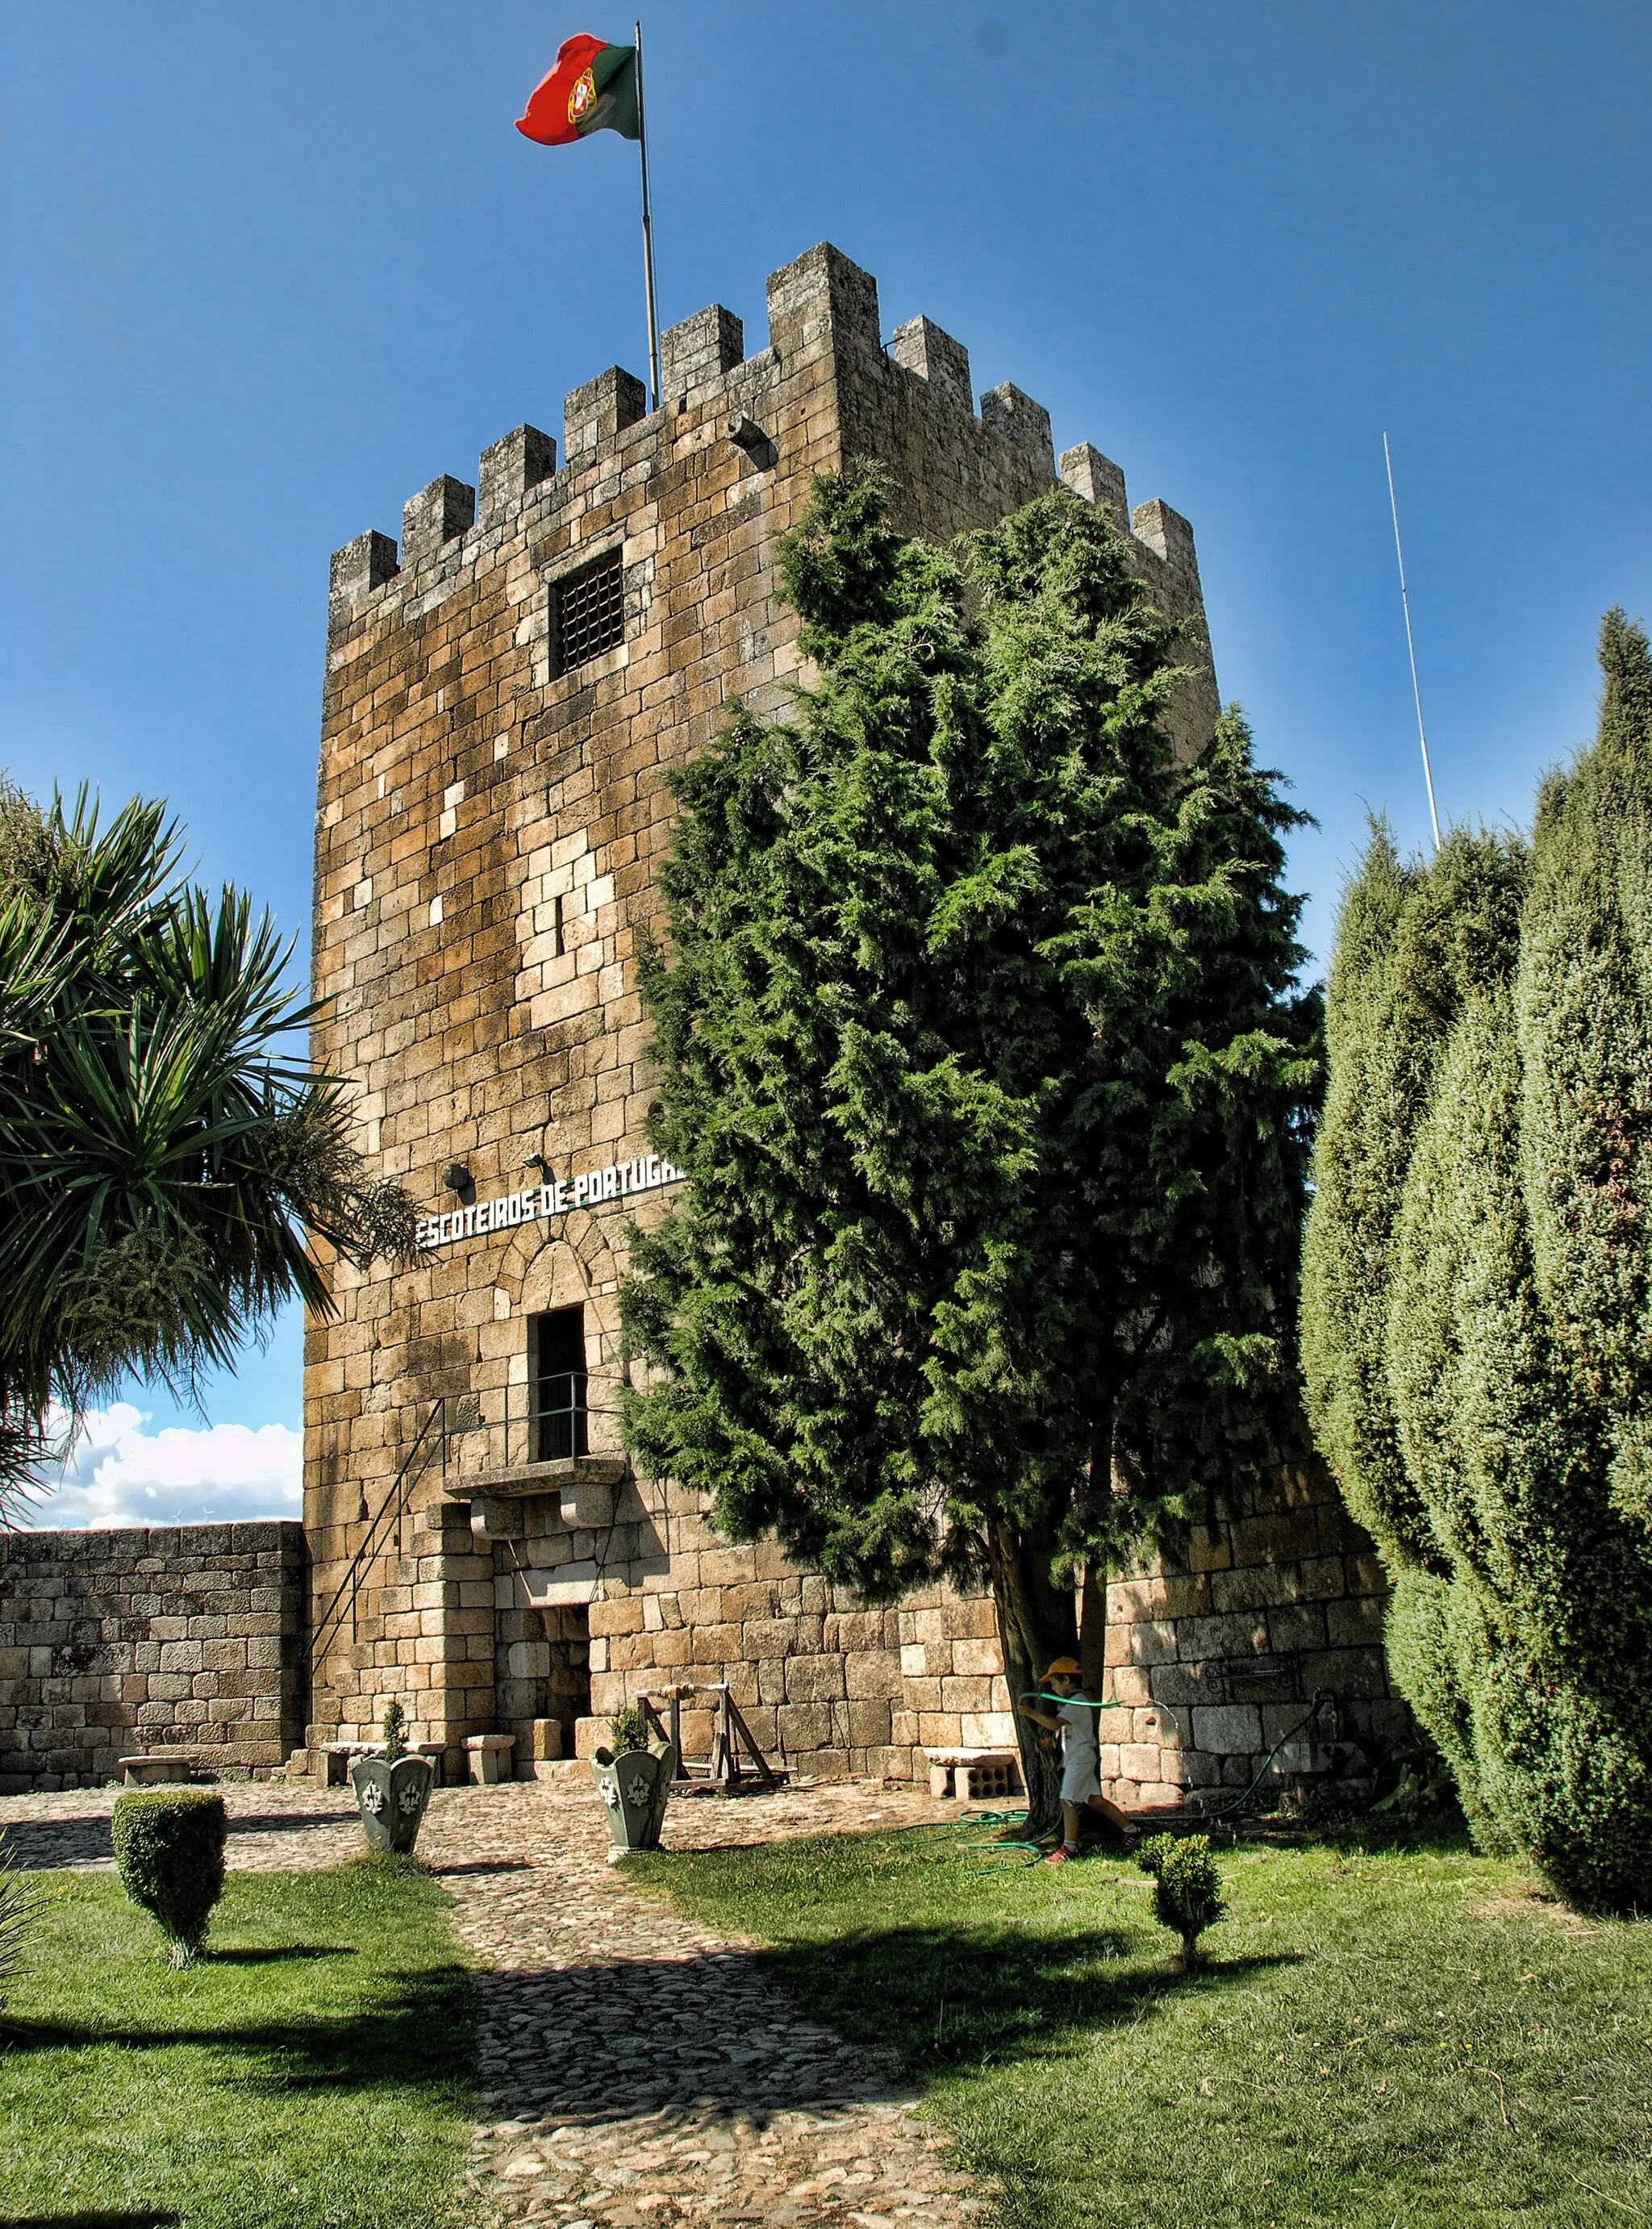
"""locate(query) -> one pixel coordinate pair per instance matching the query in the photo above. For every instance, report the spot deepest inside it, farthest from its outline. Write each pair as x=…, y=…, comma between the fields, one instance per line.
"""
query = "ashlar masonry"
x=506, y=693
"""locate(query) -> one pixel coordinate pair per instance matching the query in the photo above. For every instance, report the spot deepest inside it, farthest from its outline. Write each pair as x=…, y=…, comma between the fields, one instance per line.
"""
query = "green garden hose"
x=1219, y=1808
x=1029, y=1853
x=1231, y=1808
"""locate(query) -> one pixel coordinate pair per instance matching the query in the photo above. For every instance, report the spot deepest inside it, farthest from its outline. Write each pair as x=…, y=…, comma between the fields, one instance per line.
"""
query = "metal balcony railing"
x=508, y=1427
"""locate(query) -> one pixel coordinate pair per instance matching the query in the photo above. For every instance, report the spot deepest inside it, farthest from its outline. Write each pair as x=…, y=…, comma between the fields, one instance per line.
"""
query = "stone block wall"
x=953, y=1691
x=507, y=1614
x=490, y=820
x=490, y=824
x=1206, y=1670
x=1209, y=1667
x=116, y=1642
x=816, y=1678
x=423, y=1635
x=587, y=1617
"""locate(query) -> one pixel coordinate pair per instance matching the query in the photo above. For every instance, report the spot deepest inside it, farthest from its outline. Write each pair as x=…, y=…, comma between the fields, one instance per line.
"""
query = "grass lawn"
x=313, y=2069
x=1384, y=2036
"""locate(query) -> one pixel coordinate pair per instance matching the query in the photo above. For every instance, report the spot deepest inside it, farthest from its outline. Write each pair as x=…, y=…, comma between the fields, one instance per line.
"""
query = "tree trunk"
x=1092, y=1632
x=1037, y=1622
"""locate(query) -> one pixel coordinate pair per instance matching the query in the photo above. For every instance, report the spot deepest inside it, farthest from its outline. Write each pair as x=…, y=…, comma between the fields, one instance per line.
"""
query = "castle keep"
x=506, y=693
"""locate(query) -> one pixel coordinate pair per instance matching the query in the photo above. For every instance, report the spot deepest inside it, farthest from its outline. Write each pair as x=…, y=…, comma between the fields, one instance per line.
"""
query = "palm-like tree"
x=166, y=1168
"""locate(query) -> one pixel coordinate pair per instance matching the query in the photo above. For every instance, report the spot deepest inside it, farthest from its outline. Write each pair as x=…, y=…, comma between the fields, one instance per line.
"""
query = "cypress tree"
x=979, y=1043
x=1477, y=1331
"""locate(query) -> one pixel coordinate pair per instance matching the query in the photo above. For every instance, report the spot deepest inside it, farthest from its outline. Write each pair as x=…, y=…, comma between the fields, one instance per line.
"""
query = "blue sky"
x=266, y=271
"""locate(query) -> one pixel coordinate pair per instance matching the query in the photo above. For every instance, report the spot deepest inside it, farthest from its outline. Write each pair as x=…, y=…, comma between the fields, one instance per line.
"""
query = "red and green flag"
x=592, y=87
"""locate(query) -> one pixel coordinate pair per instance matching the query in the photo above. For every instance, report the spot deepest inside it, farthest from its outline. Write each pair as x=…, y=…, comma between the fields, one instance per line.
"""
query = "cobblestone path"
x=635, y=2070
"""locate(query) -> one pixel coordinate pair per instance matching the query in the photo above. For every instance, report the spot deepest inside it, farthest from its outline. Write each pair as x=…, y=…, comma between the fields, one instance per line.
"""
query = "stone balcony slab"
x=584, y=1485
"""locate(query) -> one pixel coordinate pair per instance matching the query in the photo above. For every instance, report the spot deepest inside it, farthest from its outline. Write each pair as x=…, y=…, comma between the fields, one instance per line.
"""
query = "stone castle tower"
x=505, y=697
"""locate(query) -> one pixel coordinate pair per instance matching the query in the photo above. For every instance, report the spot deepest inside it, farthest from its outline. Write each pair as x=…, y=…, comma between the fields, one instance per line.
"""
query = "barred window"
x=587, y=612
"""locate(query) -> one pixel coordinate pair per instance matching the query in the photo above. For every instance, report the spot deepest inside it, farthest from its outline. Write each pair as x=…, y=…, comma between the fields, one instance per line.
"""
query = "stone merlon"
x=821, y=302
x=504, y=719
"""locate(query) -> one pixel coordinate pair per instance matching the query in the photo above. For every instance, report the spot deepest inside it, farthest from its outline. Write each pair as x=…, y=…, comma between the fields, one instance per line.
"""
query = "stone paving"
x=635, y=2068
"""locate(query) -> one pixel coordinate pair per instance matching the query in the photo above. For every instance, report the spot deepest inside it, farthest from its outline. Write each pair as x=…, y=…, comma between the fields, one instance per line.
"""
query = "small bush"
x=629, y=1729
x=393, y=1728
x=20, y=1900
x=169, y=1849
x=1187, y=1887
x=1150, y=1854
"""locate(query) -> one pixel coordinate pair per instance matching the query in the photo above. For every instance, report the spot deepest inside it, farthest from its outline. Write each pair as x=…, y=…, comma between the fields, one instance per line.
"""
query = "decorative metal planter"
x=634, y=1788
x=392, y=1799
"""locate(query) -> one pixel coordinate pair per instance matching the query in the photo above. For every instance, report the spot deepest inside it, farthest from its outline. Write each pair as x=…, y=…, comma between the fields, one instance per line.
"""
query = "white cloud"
x=117, y=1473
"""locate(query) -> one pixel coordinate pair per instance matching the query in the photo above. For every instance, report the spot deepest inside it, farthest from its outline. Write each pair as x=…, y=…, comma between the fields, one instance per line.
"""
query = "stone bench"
x=489, y=1758
x=974, y=1776
x=158, y=1768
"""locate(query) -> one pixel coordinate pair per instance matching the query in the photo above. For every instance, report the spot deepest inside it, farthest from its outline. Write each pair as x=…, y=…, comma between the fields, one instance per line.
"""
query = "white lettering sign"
x=557, y=1197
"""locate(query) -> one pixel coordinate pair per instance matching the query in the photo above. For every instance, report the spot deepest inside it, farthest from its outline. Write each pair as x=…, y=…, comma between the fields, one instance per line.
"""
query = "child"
x=1081, y=1786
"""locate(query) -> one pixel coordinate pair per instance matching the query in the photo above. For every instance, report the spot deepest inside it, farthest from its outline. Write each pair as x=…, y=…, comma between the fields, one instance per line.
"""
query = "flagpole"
x=1422, y=732
x=647, y=239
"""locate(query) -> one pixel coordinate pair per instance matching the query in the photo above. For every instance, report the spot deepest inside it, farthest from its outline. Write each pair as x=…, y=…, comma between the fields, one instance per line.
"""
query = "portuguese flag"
x=592, y=87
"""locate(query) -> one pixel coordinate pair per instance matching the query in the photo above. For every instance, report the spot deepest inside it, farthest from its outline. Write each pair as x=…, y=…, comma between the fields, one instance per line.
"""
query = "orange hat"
x=1067, y=1664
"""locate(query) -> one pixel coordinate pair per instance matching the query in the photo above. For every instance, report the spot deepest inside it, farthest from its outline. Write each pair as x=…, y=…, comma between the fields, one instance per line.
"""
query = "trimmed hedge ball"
x=169, y=1850
x=1187, y=1887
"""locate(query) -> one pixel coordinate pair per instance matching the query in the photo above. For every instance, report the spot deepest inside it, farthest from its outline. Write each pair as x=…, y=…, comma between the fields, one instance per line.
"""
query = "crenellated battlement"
x=907, y=401
x=513, y=684
x=511, y=688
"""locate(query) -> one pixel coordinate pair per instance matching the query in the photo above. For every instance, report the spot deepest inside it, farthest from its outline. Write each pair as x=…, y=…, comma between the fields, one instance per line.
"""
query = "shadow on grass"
x=408, y=2041
x=945, y=1998
x=1375, y=1837
x=275, y=1956
x=140, y=2221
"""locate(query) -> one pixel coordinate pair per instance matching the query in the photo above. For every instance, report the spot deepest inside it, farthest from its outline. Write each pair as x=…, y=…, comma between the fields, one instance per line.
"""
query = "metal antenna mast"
x=1411, y=644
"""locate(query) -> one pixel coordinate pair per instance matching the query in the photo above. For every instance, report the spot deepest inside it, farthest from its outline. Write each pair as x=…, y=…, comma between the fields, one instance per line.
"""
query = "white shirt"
x=1079, y=1743
x=1081, y=1755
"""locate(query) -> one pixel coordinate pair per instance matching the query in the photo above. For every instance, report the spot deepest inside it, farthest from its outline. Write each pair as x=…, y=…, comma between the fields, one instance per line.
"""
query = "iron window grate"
x=588, y=612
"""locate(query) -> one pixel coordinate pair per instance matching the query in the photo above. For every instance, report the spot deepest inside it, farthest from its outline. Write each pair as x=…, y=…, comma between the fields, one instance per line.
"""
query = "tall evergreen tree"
x=164, y=1166
x=1476, y=1316
x=979, y=1043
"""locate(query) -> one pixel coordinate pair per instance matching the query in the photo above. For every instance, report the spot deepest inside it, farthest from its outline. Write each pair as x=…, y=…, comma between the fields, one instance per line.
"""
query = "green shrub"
x=170, y=1848
x=1150, y=1854
x=393, y=1728
x=629, y=1729
x=1477, y=1294
x=1187, y=1887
